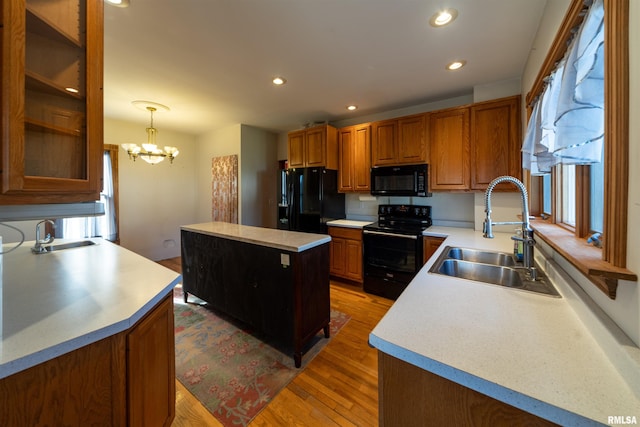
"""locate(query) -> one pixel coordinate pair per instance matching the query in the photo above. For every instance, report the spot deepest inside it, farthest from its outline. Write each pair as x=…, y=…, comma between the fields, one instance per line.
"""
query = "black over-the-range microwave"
x=405, y=180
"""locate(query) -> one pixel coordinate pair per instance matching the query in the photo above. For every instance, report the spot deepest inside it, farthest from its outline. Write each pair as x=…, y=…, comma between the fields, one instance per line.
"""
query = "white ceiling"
x=212, y=61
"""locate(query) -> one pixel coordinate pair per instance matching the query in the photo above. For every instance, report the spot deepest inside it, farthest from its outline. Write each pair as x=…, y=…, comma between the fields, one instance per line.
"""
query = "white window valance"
x=567, y=121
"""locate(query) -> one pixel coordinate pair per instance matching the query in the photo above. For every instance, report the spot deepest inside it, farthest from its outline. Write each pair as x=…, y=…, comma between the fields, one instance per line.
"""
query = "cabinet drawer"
x=346, y=233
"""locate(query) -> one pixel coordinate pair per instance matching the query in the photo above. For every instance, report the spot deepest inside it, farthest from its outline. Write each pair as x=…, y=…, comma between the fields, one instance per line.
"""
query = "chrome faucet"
x=527, y=232
x=38, y=248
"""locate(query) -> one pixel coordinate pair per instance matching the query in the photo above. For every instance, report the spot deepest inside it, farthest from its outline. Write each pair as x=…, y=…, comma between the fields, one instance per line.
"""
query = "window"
x=567, y=214
x=599, y=190
x=105, y=226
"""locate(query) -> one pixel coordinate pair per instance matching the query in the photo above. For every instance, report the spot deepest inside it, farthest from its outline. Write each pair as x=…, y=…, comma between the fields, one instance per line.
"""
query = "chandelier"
x=150, y=152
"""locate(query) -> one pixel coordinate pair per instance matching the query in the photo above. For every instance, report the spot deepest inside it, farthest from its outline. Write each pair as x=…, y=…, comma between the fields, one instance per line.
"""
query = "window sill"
x=586, y=258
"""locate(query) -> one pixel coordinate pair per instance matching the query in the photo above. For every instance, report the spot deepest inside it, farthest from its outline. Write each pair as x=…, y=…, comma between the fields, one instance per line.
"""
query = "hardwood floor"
x=338, y=387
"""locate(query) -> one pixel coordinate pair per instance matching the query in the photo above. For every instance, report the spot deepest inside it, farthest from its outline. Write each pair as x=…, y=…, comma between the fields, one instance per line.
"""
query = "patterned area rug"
x=232, y=372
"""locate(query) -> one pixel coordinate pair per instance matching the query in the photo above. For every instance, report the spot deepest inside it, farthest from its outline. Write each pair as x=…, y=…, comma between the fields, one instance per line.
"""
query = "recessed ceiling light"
x=352, y=107
x=278, y=81
x=119, y=3
x=456, y=65
x=71, y=89
x=443, y=17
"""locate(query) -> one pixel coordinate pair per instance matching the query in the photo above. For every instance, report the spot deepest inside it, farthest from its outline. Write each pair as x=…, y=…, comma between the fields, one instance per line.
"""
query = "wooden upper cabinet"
x=411, y=139
x=52, y=119
x=384, y=144
x=296, y=149
x=316, y=146
x=345, y=160
x=313, y=147
x=399, y=141
x=354, y=148
x=495, y=141
x=449, y=144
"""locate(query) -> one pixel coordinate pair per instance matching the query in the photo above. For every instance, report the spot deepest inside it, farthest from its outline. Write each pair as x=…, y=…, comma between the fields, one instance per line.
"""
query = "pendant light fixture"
x=150, y=152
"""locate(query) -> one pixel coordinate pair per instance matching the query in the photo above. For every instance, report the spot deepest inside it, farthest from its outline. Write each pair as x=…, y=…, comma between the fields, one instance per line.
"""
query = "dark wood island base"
x=281, y=293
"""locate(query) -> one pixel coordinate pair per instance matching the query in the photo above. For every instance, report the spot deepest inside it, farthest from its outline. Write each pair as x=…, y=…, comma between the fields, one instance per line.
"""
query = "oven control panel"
x=404, y=211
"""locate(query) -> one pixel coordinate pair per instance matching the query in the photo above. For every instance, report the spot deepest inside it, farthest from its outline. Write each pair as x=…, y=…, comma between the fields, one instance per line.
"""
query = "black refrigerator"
x=308, y=199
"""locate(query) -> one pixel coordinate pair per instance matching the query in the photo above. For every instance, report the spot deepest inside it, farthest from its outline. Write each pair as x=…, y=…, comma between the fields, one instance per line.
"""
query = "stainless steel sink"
x=63, y=246
x=484, y=257
x=497, y=268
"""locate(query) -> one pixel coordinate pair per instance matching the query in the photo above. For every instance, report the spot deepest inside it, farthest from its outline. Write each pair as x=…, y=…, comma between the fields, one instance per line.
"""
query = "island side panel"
x=312, y=305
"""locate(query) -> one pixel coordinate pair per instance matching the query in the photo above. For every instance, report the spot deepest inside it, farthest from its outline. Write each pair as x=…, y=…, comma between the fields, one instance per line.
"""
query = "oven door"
x=390, y=262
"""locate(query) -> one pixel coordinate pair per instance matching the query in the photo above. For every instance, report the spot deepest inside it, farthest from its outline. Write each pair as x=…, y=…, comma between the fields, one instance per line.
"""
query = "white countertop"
x=348, y=223
x=57, y=302
x=292, y=241
x=531, y=351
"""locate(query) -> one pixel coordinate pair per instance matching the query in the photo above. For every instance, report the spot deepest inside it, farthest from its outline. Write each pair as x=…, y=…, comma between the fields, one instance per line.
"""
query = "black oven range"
x=393, y=248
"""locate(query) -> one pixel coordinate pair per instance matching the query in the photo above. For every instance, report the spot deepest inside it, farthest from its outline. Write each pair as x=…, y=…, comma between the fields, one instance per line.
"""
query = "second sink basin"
x=481, y=272
x=484, y=257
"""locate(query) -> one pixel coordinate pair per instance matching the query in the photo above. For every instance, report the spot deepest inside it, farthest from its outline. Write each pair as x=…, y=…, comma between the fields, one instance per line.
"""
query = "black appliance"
x=312, y=199
x=406, y=180
x=393, y=250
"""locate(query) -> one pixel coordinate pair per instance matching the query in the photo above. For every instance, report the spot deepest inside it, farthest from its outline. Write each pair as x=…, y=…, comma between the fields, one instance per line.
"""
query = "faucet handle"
x=487, y=229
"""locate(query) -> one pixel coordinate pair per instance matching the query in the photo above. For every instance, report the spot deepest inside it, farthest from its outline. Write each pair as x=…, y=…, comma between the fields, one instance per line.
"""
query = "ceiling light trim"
x=456, y=65
x=443, y=18
x=118, y=3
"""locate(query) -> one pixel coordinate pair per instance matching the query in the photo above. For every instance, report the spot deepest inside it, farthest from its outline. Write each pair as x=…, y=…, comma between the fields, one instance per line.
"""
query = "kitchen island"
x=275, y=281
x=469, y=353
x=85, y=332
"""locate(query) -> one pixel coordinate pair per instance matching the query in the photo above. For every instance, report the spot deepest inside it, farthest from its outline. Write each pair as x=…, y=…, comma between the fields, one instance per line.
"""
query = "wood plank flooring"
x=338, y=388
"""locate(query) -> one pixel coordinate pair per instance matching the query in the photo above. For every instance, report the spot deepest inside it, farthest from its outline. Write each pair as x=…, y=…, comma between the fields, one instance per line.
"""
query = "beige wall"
x=154, y=199
x=257, y=172
x=259, y=177
x=221, y=142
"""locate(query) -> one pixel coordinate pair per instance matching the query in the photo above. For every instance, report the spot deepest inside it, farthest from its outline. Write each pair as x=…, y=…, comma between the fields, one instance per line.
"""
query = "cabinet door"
x=449, y=144
x=316, y=147
x=430, y=245
x=296, y=149
x=411, y=140
x=337, y=251
x=353, y=260
x=345, y=159
x=384, y=143
x=151, y=368
x=52, y=101
x=361, y=175
x=203, y=261
x=495, y=141
x=266, y=288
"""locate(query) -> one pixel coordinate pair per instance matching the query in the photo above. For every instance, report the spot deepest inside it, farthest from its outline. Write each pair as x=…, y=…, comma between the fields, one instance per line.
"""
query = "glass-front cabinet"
x=52, y=131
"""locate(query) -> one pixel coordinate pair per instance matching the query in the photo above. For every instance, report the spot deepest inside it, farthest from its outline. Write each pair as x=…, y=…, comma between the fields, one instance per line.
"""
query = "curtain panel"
x=567, y=121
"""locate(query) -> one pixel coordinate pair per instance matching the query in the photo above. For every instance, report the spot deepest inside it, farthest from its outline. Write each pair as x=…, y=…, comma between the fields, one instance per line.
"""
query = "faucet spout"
x=527, y=231
x=38, y=248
